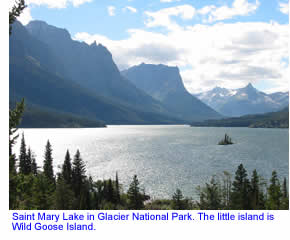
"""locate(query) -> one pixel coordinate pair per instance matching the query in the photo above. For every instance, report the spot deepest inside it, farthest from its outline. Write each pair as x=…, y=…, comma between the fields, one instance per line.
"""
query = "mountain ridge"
x=242, y=101
x=165, y=84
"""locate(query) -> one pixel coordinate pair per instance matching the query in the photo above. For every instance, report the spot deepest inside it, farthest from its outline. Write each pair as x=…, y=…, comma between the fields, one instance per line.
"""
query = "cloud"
x=227, y=55
x=210, y=13
x=163, y=17
x=111, y=10
x=284, y=8
x=131, y=9
x=58, y=3
x=239, y=8
x=25, y=17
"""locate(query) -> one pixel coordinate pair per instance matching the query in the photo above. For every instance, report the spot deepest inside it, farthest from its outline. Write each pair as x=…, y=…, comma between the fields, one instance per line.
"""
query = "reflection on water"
x=165, y=157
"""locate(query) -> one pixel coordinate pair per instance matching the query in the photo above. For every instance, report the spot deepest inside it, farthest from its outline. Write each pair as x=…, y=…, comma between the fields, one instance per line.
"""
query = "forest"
x=35, y=188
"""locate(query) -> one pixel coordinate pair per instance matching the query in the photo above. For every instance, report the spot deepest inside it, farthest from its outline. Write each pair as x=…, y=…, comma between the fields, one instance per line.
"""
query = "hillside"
x=37, y=75
x=278, y=119
x=164, y=84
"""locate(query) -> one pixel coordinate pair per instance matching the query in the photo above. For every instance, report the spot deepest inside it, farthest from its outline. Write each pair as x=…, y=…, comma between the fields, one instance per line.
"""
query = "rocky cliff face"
x=165, y=84
x=92, y=67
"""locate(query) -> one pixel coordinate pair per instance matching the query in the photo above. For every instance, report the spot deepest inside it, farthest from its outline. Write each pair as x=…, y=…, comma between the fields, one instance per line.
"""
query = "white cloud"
x=25, y=17
x=284, y=8
x=131, y=9
x=163, y=17
x=111, y=10
x=239, y=8
x=57, y=3
x=227, y=55
x=211, y=13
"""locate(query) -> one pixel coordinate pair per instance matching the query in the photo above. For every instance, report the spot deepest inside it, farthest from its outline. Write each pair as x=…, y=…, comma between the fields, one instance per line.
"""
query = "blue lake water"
x=165, y=157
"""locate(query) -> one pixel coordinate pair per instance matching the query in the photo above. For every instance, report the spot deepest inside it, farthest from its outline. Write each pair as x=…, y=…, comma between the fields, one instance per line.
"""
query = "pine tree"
x=78, y=173
x=255, y=191
x=111, y=197
x=67, y=169
x=63, y=196
x=274, y=193
x=134, y=196
x=47, y=164
x=240, y=190
x=29, y=161
x=22, y=156
x=178, y=200
x=285, y=196
x=212, y=195
x=118, y=198
x=33, y=165
x=15, y=12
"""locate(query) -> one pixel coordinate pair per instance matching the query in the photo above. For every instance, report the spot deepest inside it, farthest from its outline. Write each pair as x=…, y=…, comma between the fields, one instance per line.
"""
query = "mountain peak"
x=38, y=28
x=249, y=85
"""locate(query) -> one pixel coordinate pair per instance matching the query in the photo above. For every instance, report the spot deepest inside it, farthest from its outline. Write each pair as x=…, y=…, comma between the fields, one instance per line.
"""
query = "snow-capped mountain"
x=242, y=101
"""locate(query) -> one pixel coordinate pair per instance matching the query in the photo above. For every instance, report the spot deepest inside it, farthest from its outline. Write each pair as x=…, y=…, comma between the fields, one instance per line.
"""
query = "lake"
x=165, y=157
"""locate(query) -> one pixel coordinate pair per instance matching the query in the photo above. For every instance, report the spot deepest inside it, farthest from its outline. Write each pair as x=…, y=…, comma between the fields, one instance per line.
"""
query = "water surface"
x=165, y=157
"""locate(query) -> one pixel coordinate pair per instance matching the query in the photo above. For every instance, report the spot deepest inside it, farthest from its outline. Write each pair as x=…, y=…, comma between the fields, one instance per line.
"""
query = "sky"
x=225, y=43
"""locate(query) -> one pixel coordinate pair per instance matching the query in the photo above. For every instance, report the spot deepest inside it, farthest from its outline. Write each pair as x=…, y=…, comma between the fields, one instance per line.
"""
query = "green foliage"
x=66, y=172
x=257, y=199
x=78, y=173
x=74, y=190
x=274, y=193
x=240, y=190
x=285, y=196
x=211, y=196
x=14, y=120
x=63, y=196
x=178, y=201
x=41, y=117
x=15, y=12
x=47, y=164
x=278, y=119
x=135, y=197
x=226, y=141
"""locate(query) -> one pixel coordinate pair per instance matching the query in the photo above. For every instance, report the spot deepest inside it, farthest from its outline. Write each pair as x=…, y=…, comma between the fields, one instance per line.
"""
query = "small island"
x=226, y=141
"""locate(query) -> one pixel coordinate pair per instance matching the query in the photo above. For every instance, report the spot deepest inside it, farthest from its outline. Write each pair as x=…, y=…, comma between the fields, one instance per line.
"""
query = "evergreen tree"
x=67, y=169
x=33, y=165
x=64, y=196
x=43, y=192
x=15, y=12
x=134, y=196
x=29, y=161
x=178, y=202
x=118, y=198
x=47, y=165
x=240, y=190
x=78, y=173
x=285, y=196
x=255, y=191
x=211, y=196
x=274, y=193
x=23, y=157
x=111, y=197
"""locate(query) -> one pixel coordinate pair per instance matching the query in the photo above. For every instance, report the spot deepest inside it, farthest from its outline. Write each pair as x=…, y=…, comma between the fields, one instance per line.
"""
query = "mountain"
x=41, y=117
x=278, y=119
x=92, y=67
x=164, y=84
x=37, y=74
x=242, y=101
